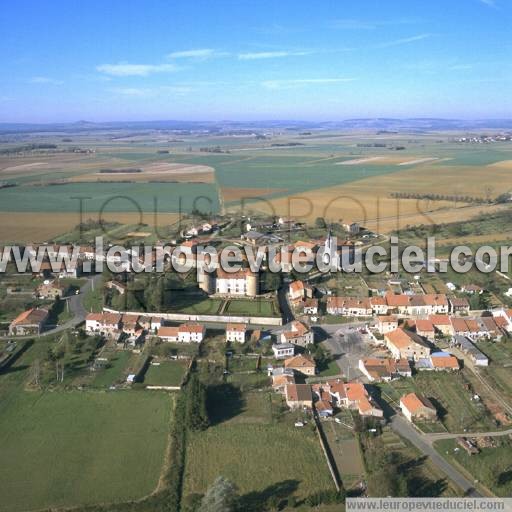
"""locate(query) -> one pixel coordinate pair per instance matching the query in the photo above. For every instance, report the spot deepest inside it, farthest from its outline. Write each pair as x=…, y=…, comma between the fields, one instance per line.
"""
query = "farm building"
x=417, y=407
x=29, y=322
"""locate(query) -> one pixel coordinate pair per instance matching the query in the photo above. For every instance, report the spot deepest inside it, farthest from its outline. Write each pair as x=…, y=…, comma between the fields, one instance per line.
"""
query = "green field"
x=115, y=372
x=112, y=197
x=167, y=373
x=71, y=448
x=247, y=307
x=261, y=456
x=491, y=466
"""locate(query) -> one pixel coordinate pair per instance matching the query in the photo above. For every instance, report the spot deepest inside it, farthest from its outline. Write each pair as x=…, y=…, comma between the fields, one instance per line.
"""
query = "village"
x=348, y=353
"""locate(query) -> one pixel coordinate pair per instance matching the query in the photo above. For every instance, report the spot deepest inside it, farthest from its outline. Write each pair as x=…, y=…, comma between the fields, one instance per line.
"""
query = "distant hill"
x=378, y=124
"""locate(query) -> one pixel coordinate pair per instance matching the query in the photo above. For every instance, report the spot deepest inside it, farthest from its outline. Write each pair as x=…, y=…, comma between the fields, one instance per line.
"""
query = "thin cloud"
x=284, y=84
x=271, y=55
x=199, y=53
x=132, y=91
x=489, y=3
x=405, y=40
x=145, y=92
x=125, y=69
x=353, y=24
x=460, y=67
x=359, y=24
x=45, y=80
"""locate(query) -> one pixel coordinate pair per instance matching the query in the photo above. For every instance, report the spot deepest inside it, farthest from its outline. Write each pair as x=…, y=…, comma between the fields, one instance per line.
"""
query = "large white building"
x=242, y=283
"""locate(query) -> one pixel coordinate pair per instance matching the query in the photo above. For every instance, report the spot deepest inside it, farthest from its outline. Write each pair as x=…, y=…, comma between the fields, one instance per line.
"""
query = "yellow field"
x=504, y=164
x=156, y=172
x=41, y=227
x=369, y=201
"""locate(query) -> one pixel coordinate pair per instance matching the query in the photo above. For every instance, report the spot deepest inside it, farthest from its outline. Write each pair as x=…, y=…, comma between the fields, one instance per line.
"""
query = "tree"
x=196, y=412
x=320, y=223
x=221, y=496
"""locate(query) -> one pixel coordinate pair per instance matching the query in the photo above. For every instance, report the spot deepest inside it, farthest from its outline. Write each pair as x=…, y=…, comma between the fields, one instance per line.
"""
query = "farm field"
x=491, y=466
x=254, y=451
x=44, y=226
x=117, y=197
x=447, y=391
x=334, y=175
x=80, y=447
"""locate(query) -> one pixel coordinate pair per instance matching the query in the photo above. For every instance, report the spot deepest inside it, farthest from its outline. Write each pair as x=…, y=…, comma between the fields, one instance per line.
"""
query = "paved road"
x=402, y=427
x=448, y=435
x=347, y=344
x=76, y=306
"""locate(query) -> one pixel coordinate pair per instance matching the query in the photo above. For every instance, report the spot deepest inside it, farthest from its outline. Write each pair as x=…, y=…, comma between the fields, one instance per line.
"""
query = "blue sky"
x=247, y=60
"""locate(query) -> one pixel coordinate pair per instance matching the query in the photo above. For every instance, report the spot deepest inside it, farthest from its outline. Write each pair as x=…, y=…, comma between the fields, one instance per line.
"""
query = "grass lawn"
x=261, y=456
x=248, y=307
x=329, y=370
x=73, y=448
x=93, y=300
x=491, y=466
x=448, y=393
x=115, y=373
x=201, y=307
x=167, y=373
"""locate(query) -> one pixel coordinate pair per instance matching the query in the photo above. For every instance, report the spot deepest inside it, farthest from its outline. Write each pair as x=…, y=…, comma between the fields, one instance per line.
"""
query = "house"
x=352, y=395
x=477, y=357
x=169, y=334
x=387, y=323
x=505, y=318
x=279, y=382
x=72, y=271
x=384, y=369
x=349, y=306
x=105, y=323
x=155, y=323
x=236, y=332
x=29, y=322
x=298, y=396
x=444, y=361
x=191, y=332
x=418, y=305
x=459, y=306
x=298, y=333
x=442, y=324
x=283, y=350
x=130, y=324
x=311, y=307
x=379, y=305
x=51, y=290
x=358, y=398
x=296, y=291
x=472, y=289
x=425, y=328
x=301, y=364
x=352, y=228
x=405, y=344
x=417, y=407
x=491, y=326
x=323, y=408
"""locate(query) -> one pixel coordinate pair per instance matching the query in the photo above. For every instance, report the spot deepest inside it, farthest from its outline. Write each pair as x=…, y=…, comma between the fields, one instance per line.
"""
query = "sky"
x=64, y=61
